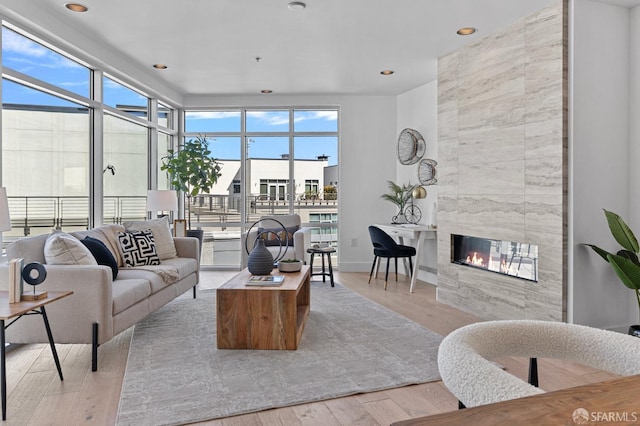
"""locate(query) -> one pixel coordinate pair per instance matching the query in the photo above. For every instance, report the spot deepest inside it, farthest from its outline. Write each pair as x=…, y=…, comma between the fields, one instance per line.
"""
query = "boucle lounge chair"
x=465, y=356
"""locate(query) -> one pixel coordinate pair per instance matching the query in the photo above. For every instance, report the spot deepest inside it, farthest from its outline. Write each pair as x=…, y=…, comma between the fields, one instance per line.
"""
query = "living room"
x=594, y=160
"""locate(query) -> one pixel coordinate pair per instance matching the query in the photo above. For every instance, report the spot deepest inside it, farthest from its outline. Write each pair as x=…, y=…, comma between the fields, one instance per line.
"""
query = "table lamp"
x=162, y=200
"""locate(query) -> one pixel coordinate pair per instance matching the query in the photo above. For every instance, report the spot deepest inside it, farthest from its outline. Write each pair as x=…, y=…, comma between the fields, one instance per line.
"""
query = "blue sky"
x=35, y=60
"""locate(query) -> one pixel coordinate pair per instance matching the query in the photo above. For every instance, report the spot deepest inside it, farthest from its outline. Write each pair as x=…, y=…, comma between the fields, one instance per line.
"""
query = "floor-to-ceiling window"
x=75, y=141
x=45, y=137
x=274, y=161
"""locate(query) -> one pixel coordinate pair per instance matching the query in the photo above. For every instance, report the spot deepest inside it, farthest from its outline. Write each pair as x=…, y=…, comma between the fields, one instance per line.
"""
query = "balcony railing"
x=70, y=212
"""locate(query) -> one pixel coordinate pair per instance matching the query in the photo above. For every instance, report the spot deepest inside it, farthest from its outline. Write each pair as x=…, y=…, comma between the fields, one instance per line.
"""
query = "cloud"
x=12, y=42
x=316, y=115
x=216, y=115
x=30, y=55
x=270, y=118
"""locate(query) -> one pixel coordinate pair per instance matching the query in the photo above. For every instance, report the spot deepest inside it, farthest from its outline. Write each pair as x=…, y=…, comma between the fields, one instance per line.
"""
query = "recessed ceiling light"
x=466, y=31
x=296, y=5
x=160, y=66
x=387, y=72
x=266, y=91
x=76, y=7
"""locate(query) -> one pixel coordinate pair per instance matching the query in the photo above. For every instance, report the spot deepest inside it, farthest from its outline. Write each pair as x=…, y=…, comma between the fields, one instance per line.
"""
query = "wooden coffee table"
x=251, y=317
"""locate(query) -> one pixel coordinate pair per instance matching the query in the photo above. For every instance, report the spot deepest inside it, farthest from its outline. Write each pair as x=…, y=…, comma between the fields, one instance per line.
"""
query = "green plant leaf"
x=627, y=271
x=601, y=252
x=621, y=232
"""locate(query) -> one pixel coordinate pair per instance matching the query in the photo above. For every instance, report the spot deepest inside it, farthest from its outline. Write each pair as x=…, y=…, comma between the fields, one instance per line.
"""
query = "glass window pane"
x=164, y=144
x=121, y=97
x=165, y=115
x=267, y=176
x=17, y=94
x=267, y=121
x=28, y=57
x=54, y=141
x=212, y=121
x=125, y=170
x=317, y=148
x=315, y=121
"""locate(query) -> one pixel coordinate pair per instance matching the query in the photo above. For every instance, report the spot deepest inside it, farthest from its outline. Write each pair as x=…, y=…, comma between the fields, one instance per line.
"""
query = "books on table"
x=16, y=286
x=265, y=280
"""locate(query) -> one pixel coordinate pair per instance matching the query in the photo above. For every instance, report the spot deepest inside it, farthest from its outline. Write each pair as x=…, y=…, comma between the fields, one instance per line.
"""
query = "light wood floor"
x=37, y=397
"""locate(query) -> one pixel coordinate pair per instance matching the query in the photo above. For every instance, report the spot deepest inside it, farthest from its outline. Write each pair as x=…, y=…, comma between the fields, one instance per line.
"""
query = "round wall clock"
x=411, y=146
x=427, y=171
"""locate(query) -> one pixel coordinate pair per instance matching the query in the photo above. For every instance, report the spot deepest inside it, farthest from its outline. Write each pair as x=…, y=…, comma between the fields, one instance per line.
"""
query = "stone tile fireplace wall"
x=502, y=172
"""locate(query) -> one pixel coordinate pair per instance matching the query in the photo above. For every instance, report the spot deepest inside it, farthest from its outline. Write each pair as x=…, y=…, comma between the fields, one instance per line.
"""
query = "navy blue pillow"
x=102, y=254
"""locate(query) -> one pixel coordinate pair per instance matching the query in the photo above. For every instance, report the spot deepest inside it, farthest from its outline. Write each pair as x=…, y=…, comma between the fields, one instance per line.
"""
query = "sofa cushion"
x=276, y=236
x=102, y=254
x=138, y=248
x=31, y=249
x=161, y=234
x=155, y=281
x=108, y=234
x=184, y=265
x=128, y=292
x=64, y=249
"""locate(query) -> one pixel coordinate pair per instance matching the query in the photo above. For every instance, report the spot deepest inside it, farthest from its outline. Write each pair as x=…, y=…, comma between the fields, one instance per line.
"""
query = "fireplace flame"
x=474, y=260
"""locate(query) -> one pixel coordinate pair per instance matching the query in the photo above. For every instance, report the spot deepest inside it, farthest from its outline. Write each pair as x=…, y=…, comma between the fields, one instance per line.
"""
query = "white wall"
x=418, y=109
x=367, y=144
x=600, y=160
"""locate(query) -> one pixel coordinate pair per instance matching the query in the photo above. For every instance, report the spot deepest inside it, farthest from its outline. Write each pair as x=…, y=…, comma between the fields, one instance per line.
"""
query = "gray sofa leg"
x=194, y=291
x=94, y=348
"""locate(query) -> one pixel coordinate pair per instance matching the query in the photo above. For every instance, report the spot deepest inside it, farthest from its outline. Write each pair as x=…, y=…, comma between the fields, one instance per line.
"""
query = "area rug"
x=175, y=374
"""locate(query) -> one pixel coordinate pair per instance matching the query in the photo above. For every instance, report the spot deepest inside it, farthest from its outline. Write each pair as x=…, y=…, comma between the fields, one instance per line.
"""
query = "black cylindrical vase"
x=260, y=260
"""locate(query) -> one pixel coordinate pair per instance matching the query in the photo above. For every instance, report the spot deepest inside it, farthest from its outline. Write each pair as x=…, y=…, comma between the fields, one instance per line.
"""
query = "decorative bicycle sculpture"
x=411, y=213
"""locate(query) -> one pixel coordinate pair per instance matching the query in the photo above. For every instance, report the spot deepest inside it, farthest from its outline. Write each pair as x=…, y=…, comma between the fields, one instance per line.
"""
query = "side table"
x=322, y=251
x=16, y=311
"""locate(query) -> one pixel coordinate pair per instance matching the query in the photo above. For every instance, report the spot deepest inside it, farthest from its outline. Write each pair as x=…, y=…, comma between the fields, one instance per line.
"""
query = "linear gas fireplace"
x=503, y=257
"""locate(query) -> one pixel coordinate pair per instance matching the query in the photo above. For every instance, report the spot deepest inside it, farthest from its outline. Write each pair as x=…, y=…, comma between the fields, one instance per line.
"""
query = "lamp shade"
x=5, y=220
x=162, y=200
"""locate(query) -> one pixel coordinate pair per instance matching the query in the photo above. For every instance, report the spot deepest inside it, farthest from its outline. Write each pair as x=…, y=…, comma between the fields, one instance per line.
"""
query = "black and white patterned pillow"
x=138, y=248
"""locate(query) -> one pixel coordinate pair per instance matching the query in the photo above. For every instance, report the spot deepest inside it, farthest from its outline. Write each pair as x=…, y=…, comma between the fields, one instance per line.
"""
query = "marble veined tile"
x=493, y=50
x=491, y=296
x=448, y=124
x=503, y=112
x=491, y=145
x=544, y=213
x=544, y=175
x=502, y=177
x=490, y=84
x=545, y=138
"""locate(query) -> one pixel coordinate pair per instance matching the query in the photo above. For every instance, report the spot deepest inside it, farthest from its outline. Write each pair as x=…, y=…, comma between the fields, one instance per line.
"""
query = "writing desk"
x=595, y=403
x=417, y=233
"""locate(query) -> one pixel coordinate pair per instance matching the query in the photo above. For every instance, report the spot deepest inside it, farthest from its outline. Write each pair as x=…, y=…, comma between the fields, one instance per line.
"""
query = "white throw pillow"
x=159, y=227
x=64, y=249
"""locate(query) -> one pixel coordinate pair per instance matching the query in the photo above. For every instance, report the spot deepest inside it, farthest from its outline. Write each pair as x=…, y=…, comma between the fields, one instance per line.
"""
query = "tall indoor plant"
x=192, y=170
x=625, y=262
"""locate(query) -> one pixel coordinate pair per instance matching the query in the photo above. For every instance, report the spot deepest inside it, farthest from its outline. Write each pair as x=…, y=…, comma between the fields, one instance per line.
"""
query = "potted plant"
x=625, y=262
x=192, y=171
x=398, y=195
x=289, y=265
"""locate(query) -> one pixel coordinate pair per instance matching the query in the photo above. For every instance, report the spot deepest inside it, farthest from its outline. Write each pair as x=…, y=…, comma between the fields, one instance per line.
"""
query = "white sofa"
x=100, y=307
x=298, y=245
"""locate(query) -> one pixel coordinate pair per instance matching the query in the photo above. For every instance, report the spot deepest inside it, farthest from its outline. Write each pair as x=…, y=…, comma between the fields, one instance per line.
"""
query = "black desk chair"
x=385, y=246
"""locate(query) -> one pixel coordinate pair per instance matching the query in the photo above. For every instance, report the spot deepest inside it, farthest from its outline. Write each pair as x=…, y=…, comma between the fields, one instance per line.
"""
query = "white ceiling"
x=331, y=47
